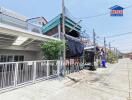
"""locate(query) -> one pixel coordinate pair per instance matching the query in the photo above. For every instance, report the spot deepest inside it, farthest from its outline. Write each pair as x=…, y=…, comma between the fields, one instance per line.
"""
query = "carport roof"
x=14, y=31
x=9, y=34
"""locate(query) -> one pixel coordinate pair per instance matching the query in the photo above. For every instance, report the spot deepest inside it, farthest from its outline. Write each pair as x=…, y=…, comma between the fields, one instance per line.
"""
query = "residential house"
x=20, y=37
x=75, y=47
x=21, y=59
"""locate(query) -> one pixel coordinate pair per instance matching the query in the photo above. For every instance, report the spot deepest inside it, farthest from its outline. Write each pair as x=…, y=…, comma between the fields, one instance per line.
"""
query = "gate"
x=15, y=74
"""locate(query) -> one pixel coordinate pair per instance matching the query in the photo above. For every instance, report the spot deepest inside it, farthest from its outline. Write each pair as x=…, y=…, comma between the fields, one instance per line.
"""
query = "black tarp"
x=75, y=48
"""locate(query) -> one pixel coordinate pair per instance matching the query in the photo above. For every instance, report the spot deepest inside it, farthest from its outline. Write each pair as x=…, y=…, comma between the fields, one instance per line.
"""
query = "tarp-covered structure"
x=75, y=47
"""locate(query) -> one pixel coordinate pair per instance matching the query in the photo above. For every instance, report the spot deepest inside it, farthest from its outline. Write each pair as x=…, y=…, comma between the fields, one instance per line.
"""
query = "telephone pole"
x=105, y=46
x=63, y=18
x=94, y=43
x=94, y=40
x=109, y=46
x=63, y=35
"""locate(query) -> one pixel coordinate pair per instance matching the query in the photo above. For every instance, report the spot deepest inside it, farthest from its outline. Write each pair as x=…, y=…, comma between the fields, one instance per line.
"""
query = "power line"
x=93, y=16
x=112, y=1
x=119, y=35
x=98, y=15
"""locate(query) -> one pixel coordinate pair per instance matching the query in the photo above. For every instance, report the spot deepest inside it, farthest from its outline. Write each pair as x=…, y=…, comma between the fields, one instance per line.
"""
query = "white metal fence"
x=14, y=74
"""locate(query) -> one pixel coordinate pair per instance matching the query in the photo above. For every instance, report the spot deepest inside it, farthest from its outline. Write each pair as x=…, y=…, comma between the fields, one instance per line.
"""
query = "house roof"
x=37, y=18
x=58, y=20
x=12, y=14
x=116, y=7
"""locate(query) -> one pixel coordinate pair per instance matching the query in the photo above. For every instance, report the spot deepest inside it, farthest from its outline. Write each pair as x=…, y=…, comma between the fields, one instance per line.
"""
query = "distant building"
x=38, y=21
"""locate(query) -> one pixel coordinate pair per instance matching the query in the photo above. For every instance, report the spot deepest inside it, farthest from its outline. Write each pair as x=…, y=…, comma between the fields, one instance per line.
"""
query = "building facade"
x=20, y=38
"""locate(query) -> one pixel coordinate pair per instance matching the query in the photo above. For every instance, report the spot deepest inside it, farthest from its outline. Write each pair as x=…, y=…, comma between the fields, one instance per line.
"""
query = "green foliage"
x=51, y=49
x=112, y=58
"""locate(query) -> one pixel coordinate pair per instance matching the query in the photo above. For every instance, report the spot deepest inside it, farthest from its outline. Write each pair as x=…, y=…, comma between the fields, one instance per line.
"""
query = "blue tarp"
x=75, y=48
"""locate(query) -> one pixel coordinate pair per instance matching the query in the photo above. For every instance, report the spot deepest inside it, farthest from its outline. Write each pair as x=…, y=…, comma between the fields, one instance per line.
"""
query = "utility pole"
x=94, y=40
x=94, y=43
x=109, y=46
x=63, y=35
x=105, y=46
x=116, y=52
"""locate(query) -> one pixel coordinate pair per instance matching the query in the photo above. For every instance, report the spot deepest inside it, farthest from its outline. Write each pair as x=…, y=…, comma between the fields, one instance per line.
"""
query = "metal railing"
x=72, y=67
x=14, y=74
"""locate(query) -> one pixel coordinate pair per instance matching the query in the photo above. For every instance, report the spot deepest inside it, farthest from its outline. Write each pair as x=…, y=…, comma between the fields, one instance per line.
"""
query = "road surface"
x=105, y=84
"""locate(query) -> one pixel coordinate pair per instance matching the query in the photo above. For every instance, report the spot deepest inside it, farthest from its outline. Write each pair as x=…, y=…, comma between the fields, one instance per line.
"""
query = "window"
x=21, y=58
x=11, y=58
x=3, y=58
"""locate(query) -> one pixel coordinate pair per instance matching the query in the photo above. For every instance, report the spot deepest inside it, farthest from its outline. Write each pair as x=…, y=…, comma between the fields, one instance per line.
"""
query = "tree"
x=52, y=49
x=112, y=57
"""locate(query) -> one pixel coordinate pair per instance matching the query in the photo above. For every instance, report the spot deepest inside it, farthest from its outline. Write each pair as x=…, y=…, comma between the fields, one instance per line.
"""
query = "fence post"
x=34, y=71
x=58, y=67
x=47, y=68
x=16, y=75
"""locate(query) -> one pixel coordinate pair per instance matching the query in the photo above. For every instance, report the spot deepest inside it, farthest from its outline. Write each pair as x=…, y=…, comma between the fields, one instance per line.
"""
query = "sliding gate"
x=15, y=74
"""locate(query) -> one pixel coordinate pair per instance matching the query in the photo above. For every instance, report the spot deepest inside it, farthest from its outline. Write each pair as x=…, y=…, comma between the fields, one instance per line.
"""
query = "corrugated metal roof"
x=57, y=20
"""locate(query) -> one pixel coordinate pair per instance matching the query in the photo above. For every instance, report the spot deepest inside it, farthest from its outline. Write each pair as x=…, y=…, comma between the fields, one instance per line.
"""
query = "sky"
x=103, y=25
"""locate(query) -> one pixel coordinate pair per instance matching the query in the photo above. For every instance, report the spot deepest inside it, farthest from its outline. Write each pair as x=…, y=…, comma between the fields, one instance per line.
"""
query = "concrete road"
x=104, y=84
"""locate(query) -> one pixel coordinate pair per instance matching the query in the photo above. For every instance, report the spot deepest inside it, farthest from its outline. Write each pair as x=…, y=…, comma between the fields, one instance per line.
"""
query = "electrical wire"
x=119, y=35
x=98, y=15
x=93, y=16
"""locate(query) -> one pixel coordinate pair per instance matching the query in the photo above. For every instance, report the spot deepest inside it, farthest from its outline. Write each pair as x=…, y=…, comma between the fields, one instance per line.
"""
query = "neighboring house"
x=20, y=39
x=35, y=24
x=75, y=47
x=127, y=55
x=54, y=27
x=72, y=34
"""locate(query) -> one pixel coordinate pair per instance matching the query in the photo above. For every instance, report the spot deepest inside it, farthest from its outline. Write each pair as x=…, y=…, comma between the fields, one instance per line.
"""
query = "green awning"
x=58, y=20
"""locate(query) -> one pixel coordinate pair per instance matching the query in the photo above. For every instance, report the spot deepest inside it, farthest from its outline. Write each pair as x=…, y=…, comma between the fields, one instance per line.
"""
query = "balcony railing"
x=9, y=20
x=15, y=74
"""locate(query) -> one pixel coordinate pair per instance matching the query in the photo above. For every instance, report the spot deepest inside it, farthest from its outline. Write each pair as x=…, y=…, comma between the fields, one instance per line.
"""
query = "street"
x=65, y=50
x=109, y=83
x=105, y=84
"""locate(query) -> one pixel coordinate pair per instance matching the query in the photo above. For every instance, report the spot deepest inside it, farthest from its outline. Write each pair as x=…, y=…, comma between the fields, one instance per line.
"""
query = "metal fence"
x=14, y=74
x=73, y=66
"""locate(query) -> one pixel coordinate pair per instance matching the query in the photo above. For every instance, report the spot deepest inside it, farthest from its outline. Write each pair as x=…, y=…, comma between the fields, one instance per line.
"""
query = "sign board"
x=116, y=11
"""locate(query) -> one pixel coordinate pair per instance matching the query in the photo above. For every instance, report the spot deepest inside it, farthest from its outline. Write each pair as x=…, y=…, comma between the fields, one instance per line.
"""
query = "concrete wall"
x=28, y=55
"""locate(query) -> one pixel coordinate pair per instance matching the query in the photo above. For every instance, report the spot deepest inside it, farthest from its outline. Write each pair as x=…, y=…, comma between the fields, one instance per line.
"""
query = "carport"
x=18, y=41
